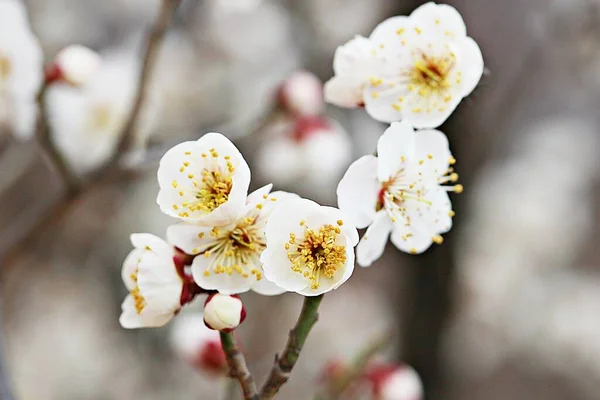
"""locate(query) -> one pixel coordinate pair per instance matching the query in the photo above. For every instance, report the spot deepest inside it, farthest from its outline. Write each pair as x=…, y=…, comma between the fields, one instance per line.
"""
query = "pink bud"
x=306, y=127
x=223, y=312
x=395, y=382
x=302, y=94
x=74, y=65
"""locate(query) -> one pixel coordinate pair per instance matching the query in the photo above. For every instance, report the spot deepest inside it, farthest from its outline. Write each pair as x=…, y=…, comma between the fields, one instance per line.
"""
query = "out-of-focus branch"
x=5, y=392
x=154, y=41
x=356, y=368
x=280, y=373
x=238, y=368
x=49, y=149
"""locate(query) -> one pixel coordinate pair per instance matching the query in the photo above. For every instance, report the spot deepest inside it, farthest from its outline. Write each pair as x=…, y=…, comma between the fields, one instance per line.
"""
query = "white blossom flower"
x=302, y=94
x=223, y=312
x=204, y=181
x=87, y=121
x=21, y=70
x=308, y=153
x=400, y=191
x=395, y=382
x=416, y=68
x=75, y=64
x=310, y=248
x=198, y=345
x=228, y=256
x=157, y=287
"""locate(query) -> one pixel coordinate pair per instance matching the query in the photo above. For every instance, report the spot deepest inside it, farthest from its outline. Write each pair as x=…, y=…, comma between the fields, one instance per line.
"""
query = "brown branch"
x=238, y=368
x=155, y=39
x=49, y=149
x=280, y=373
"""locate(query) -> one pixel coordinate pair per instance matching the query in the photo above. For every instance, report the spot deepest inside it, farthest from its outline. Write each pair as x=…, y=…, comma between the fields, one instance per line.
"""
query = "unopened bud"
x=306, y=127
x=395, y=382
x=74, y=64
x=223, y=312
x=302, y=94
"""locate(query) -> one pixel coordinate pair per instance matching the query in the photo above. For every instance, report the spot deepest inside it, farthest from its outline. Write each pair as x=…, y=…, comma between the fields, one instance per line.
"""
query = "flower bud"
x=199, y=346
x=223, y=312
x=302, y=94
x=306, y=127
x=74, y=64
x=395, y=382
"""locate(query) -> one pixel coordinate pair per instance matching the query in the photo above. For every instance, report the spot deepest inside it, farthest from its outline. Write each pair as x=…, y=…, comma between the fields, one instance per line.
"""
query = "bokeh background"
x=507, y=307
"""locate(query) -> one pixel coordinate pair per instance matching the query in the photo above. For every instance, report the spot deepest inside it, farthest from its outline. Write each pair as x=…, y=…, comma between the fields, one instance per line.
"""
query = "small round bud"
x=306, y=127
x=302, y=94
x=196, y=344
x=395, y=382
x=74, y=64
x=223, y=312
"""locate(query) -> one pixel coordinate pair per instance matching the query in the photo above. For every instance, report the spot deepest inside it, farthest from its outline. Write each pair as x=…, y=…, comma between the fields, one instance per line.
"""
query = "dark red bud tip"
x=53, y=73
x=307, y=126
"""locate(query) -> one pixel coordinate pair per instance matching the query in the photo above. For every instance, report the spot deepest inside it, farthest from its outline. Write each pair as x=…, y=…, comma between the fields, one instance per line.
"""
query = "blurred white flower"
x=395, y=382
x=310, y=248
x=302, y=94
x=416, y=68
x=400, y=191
x=21, y=70
x=204, y=181
x=228, y=257
x=75, y=65
x=223, y=312
x=154, y=284
x=198, y=345
x=86, y=121
x=311, y=152
x=233, y=6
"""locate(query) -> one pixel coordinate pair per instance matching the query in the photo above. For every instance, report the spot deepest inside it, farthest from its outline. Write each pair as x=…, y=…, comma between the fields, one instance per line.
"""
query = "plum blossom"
x=227, y=257
x=74, y=64
x=205, y=181
x=301, y=94
x=198, y=345
x=21, y=70
x=310, y=248
x=158, y=285
x=400, y=191
x=413, y=68
x=223, y=312
x=395, y=382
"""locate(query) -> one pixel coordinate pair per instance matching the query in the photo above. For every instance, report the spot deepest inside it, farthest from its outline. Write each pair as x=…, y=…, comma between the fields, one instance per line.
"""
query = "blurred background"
x=507, y=307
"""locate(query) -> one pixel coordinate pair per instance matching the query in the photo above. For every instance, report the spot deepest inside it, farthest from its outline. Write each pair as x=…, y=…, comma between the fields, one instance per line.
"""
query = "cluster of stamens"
x=317, y=253
x=138, y=299
x=208, y=191
x=5, y=67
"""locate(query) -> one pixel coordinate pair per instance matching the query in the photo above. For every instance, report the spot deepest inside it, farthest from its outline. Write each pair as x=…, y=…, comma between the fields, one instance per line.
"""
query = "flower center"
x=100, y=117
x=5, y=67
x=139, y=300
x=317, y=254
x=431, y=73
x=237, y=250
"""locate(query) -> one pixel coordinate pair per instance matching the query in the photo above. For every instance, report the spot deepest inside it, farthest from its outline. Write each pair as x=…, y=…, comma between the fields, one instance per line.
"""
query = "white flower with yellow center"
x=228, y=257
x=416, y=68
x=310, y=248
x=21, y=70
x=204, y=181
x=155, y=287
x=401, y=191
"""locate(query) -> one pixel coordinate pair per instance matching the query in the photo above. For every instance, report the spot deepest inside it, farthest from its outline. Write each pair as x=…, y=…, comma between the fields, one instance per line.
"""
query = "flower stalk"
x=280, y=373
x=237, y=366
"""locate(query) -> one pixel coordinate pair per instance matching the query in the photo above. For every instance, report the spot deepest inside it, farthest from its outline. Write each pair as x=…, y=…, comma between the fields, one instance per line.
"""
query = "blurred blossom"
x=307, y=153
x=74, y=64
x=87, y=121
x=198, y=345
x=21, y=70
x=394, y=382
x=232, y=6
x=302, y=94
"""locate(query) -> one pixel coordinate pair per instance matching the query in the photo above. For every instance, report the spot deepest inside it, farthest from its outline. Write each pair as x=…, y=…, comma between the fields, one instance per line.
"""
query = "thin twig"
x=238, y=368
x=5, y=392
x=280, y=373
x=49, y=149
x=155, y=38
x=357, y=367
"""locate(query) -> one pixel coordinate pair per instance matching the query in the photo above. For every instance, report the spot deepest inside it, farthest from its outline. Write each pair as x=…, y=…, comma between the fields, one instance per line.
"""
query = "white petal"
x=159, y=283
x=421, y=116
x=130, y=266
x=372, y=244
x=344, y=91
x=273, y=201
x=432, y=148
x=205, y=277
x=130, y=319
x=355, y=58
x=396, y=142
x=382, y=103
x=334, y=215
x=286, y=219
x=358, y=191
x=257, y=195
x=150, y=242
x=267, y=288
x=190, y=238
x=391, y=31
x=438, y=19
x=470, y=62
x=278, y=268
